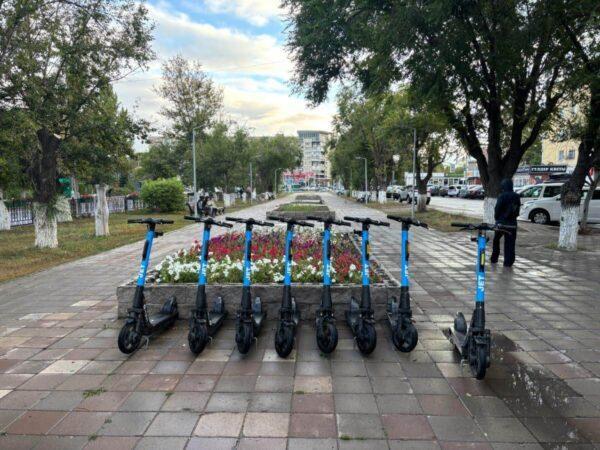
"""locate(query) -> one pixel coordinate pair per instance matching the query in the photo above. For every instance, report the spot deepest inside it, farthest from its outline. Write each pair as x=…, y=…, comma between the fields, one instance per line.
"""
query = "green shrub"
x=163, y=195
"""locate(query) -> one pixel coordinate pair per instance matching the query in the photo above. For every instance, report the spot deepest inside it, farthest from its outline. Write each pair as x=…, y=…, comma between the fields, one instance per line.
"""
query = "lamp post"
x=194, y=169
x=251, y=183
x=275, y=185
x=412, y=213
x=366, y=182
x=396, y=159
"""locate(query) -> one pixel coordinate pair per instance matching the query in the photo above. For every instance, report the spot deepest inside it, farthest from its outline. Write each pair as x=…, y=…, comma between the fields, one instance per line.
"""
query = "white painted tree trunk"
x=569, y=226
x=4, y=214
x=422, y=203
x=102, y=212
x=63, y=210
x=44, y=223
x=489, y=204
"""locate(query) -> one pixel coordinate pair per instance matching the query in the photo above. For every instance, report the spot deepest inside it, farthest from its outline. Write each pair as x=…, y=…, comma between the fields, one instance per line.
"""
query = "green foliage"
x=163, y=195
x=160, y=161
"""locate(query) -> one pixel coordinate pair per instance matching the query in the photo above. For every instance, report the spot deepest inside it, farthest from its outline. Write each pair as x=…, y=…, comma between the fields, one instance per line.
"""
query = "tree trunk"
x=4, y=214
x=63, y=209
x=422, y=198
x=44, y=222
x=588, y=198
x=43, y=173
x=102, y=212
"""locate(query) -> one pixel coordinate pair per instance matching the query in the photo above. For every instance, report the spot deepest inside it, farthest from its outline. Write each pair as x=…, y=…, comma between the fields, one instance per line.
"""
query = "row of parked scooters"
x=473, y=342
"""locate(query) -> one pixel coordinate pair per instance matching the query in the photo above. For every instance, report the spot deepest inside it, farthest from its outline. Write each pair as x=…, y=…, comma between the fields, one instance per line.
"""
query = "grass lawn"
x=438, y=220
x=19, y=256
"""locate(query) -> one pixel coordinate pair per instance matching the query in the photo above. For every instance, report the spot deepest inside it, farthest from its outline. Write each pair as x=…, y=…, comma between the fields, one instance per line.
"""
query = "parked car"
x=544, y=210
x=409, y=196
x=463, y=191
x=443, y=191
x=536, y=191
x=452, y=191
x=435, y=190
x=476, y=192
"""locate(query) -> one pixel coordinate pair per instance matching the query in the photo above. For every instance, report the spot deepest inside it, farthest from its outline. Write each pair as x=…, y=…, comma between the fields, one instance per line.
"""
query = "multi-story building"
x=315, y=164
x=560, y=153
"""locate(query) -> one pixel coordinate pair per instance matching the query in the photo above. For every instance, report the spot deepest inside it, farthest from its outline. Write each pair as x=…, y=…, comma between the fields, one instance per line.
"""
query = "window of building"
x=571, y=154
x=561, y=155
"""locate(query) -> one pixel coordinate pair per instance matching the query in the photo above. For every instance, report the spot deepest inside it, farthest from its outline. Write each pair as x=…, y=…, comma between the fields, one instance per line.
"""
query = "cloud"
x=219, y=49
x=252, y=69
x=255, y=12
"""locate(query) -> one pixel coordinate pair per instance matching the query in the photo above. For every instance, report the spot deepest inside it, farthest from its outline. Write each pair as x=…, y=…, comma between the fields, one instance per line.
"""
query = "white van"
x=546, y=209
x=544, y=190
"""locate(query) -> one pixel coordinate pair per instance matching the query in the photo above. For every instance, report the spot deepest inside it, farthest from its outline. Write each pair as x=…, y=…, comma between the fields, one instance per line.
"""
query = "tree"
x=496, y=69
x=271, y=153
x=65, y=53
x=160, y=161
x=573, y=18
x=100, y=146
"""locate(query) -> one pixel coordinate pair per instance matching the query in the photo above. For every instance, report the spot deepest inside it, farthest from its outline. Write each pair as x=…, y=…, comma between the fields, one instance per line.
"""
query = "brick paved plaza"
x=64, y=384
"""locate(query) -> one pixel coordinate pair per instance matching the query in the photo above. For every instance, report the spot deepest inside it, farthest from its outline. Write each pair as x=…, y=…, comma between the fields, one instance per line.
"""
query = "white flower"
x=352, y=267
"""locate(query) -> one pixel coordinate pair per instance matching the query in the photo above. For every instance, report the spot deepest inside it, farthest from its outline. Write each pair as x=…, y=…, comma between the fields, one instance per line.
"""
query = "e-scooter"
x=474, y=342
x=250, y=316
x=203, y=323
x=327, y=334
x=360, y=317
x=138, y=323
x=289, y=314
x=399, y=313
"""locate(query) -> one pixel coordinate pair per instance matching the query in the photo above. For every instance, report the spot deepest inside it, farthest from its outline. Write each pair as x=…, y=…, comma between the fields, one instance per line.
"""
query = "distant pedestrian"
x=507, y=210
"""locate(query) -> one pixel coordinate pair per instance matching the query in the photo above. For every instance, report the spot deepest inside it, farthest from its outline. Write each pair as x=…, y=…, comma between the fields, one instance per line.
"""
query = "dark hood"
x=506, y=185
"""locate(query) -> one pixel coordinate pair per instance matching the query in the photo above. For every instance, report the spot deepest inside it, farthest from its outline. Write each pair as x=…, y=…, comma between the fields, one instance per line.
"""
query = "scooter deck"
x=458, y=339
x=161, y=320
x=215, y=319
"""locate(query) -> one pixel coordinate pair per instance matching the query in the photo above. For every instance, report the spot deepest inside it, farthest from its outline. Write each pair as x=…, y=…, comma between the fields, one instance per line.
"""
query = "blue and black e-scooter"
x=327, y=334
x=250, y=316
x=204, y=323
x=399, y=313
x=139, y=323
x=474, y=342
x=360, y=317
x=289, y=314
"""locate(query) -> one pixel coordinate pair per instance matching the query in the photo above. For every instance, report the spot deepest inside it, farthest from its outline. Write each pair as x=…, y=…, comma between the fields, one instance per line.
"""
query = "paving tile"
x=270, y=402
x=158, y=383
x=442, y=405
x=236, y=383
x=400, y=426
x=143, y=401
x=266, y=424
x=35, y=422
x=19, y=442
x=161, y=443
x=7, y=416
x=312, y=385
x=197, y=383
x=462, y=429
x=219, y=424
x=400, y=404
x=80, y=423
x=170, y=367
x=355, y=403
x=62, y=442
x=127, y=424
x=313, y=426
x=486, y=407
x=22, y=399
x=111, y=443
x=430, y=386
x=390, y=385
x=349, y=385
x=262, y=443
x=414, y=445
x=313, y=403
x=186, y=402
x=359, y=426
x=65, y=366
x=228, y=402
x=283, y=368
x=103, y=401
x=312, y=444
x=172, y=424
x=202, y=443
x=504, y=429
x=268, y=383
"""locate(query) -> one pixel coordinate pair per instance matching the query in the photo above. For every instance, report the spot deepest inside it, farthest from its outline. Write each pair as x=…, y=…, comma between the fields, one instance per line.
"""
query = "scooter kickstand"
x=147, y=341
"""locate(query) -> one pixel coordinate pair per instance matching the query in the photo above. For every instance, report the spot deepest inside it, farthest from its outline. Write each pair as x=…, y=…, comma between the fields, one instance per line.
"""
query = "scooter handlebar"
x=484, y=227
x=408, y=220
x=150, y=221
x=290, y=220
x=329, y=220
x=209, y=220
x=250, y=221
x=367, y=220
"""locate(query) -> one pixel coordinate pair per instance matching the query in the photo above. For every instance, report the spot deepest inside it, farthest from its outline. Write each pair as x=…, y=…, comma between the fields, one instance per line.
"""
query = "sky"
x=241, y=45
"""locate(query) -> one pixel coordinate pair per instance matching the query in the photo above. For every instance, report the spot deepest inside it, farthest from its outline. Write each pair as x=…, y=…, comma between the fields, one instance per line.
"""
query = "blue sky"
x=241, y=44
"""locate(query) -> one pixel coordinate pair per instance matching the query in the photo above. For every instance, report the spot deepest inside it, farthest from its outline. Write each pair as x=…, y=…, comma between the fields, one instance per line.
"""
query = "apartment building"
x=315, y=164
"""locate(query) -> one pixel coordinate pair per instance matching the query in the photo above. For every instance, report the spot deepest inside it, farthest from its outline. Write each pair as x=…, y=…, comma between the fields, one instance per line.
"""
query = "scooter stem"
x=138, y=298
x=201, y=303
x=479, y=312
x=366, y=289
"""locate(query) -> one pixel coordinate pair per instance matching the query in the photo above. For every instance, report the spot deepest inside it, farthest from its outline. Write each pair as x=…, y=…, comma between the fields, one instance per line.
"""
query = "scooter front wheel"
x=327, y=336
x=405, y=337
x=198, y=338
x=129, y=339
x=366, y=338
x=478, y=361
x=243, y=337
x=284, y=340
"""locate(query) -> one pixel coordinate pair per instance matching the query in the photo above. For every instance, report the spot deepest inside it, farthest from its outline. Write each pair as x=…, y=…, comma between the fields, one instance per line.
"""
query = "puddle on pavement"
x=537, y=398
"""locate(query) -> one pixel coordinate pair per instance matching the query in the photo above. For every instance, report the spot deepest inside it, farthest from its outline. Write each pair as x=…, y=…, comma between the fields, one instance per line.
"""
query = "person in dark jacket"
x=507, y=210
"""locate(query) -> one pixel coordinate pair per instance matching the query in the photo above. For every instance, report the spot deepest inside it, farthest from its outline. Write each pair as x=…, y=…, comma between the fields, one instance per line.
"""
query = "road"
x=472, y=208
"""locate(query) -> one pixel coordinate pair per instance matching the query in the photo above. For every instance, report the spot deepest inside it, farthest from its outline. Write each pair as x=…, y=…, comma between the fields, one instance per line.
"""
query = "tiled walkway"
x=63, y=383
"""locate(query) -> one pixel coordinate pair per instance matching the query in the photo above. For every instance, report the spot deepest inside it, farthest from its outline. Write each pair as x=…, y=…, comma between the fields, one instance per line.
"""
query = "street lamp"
x=396, y=159
x=251, y=183
x=275, y=185
x=414, y=174
x=366, y=183
x=194, y=168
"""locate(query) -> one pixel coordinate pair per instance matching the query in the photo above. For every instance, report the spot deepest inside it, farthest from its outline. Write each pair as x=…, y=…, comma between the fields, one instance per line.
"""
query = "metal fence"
x=21, y=211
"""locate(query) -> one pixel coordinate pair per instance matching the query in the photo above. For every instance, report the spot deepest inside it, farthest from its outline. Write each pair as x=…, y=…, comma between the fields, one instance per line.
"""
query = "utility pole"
x=275, y=185
x=251, y=183
x=194, y=169
x=366, y=182
x=414, y=200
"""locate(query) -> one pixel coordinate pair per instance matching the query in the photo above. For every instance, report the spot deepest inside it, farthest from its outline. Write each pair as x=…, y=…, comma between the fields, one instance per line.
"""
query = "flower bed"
x=226, y=254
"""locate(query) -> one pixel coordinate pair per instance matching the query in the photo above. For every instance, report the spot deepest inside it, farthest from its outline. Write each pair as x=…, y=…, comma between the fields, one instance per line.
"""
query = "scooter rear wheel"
x=243, y=337
x=366, y=338
x=327, y=336
x=478, y=361
x=197, y=338
x=284, y=340
x=129, y=339
x=405, y=337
